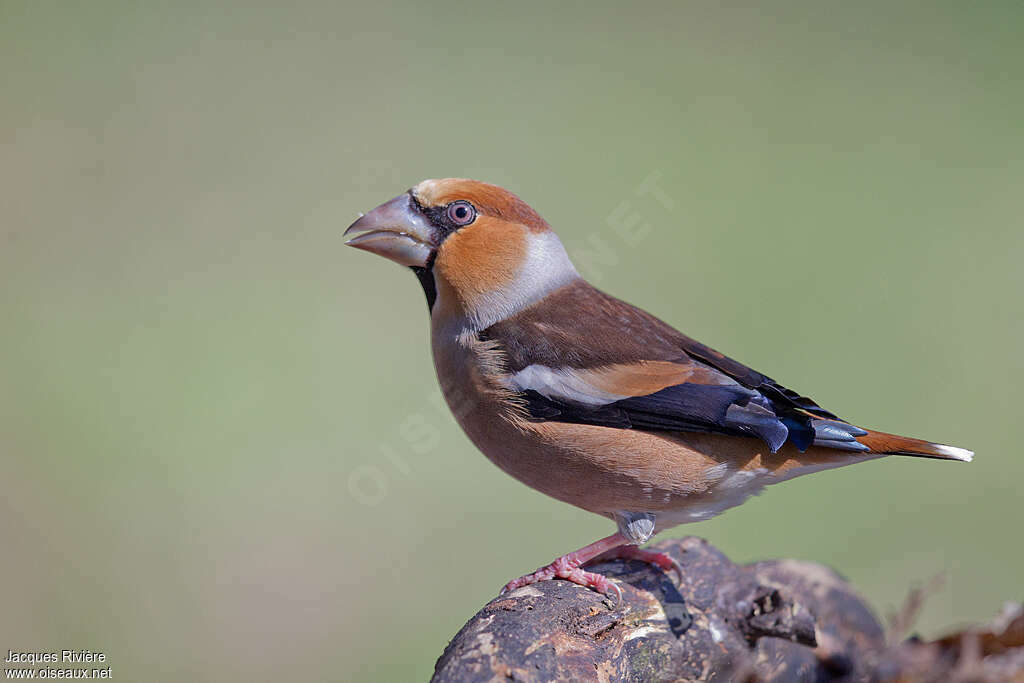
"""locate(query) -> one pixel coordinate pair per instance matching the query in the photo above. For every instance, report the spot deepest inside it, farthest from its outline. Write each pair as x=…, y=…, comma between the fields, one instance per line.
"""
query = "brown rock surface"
x=781, y=620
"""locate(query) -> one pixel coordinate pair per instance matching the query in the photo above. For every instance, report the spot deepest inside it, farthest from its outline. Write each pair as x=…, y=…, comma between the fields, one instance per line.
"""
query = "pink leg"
x=661, y=560
x=613, y=547
x=569, y=567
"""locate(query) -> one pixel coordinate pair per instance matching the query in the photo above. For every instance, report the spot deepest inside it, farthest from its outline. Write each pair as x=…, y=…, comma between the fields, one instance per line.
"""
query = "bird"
x=587, y=398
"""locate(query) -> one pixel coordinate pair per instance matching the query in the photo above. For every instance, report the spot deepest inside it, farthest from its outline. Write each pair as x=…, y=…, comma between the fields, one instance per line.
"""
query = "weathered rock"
x=721, y=622
x=781, y=620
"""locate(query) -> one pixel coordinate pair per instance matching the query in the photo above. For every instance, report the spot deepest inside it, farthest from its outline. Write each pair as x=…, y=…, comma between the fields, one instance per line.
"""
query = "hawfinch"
x=587, y=398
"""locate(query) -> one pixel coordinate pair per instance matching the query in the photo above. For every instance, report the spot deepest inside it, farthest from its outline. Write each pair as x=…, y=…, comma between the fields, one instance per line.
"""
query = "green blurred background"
x=222, y=451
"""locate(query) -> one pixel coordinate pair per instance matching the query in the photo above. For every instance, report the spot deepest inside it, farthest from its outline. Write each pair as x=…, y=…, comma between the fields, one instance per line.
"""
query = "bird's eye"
x=461, y=213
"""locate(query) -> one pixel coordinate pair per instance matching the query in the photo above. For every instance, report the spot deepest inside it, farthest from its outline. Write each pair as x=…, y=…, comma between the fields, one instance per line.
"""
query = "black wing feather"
x=580, y=327
x=722, y=409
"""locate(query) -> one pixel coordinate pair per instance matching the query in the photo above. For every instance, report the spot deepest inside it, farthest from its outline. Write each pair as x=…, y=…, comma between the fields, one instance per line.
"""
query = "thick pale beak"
x=395, y=230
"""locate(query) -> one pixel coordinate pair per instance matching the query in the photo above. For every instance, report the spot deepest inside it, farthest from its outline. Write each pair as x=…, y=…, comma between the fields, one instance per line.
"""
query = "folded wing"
x=586, y=357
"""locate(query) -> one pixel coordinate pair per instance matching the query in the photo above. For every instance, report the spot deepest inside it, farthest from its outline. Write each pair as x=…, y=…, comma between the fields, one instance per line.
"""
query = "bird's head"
x=478, y=249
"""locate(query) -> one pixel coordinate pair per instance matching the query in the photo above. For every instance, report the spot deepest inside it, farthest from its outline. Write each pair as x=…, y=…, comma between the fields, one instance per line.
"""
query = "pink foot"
x=566, y=567
x=663, y=561
x=569, y=567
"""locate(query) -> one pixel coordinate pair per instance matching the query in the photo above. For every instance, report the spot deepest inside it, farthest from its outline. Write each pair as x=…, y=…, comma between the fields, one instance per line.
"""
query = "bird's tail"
x=891, y=444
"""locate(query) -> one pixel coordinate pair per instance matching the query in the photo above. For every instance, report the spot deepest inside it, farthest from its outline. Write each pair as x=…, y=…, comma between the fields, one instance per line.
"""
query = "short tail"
x=880, y=442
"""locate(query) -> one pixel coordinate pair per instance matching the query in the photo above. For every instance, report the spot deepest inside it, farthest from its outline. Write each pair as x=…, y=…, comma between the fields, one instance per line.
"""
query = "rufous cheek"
x=482, y=258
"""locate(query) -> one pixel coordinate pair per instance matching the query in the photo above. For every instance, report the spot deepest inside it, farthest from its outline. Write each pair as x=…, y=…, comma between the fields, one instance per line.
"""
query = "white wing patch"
x=564, y=385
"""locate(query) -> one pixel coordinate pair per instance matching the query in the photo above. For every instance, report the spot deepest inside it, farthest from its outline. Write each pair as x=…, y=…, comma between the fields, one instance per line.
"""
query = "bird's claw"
x=559, y=569
x=618, y=595
x=677, y=568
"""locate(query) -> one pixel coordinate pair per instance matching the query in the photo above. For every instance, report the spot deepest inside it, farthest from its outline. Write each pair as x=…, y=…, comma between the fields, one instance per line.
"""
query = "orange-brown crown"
x=489, y=200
